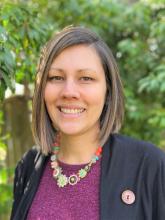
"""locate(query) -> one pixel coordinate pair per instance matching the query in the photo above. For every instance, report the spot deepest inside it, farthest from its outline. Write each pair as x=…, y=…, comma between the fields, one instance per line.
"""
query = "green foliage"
x=5, y=192
x=5, y=187
x=23, y=31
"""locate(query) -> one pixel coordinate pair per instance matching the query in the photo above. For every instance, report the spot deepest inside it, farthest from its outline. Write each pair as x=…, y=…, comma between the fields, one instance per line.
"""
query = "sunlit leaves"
x=22, y=33
x=154, y=82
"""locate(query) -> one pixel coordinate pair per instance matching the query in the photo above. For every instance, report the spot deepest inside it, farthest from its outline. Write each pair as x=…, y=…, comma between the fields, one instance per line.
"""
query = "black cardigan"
x=126, y=164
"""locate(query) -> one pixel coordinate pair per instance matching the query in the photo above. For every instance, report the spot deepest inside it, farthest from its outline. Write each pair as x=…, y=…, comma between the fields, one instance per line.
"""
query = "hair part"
x=113, y=111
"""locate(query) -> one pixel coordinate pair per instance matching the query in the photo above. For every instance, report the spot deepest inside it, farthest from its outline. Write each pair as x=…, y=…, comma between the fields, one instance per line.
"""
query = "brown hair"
x=113, y=111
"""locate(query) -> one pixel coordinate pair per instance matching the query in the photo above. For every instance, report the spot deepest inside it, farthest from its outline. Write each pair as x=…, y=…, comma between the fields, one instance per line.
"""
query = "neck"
x=77, y=149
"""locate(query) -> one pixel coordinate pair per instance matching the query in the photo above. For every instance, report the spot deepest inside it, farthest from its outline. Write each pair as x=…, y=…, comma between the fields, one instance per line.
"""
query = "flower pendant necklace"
x=73, y=179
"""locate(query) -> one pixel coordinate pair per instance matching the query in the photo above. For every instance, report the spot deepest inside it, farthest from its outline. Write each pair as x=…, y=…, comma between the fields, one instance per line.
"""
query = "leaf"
x=7, y=80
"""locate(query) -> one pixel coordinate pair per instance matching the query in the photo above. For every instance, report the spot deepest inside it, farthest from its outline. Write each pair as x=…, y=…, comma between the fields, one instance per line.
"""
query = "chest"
x=80, y=201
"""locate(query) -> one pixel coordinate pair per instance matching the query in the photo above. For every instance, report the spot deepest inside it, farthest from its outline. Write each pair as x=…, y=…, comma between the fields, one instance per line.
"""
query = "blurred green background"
x=134, y=30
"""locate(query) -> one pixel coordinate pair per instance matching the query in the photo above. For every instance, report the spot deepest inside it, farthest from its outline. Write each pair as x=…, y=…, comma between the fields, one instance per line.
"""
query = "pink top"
x=78, y=202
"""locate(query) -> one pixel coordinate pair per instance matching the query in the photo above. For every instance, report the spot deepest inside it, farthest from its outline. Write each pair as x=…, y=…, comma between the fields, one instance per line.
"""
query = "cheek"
x=49, y=94
x=101, y=95
x=97, y=98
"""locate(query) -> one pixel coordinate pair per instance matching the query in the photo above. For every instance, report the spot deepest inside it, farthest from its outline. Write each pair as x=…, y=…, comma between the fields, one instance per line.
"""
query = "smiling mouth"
x=71, y=110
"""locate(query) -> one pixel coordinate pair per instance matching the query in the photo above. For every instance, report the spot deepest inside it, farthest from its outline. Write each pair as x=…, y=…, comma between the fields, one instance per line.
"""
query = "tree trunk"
x=18, y=126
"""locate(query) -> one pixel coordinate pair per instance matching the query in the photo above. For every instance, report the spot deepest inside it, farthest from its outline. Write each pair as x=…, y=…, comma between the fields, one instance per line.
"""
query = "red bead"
x=56, y=144
x=97, y=153
x=100, y=149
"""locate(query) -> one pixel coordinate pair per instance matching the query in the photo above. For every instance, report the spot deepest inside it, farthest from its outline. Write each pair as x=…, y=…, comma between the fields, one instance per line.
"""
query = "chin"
x=71, y=131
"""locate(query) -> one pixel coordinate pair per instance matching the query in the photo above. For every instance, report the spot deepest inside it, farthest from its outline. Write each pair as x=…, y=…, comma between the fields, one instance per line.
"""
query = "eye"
x=86, y=78
x=55, y=78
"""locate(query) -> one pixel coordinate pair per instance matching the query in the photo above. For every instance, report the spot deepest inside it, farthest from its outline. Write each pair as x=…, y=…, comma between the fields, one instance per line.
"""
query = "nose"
x=70, y=90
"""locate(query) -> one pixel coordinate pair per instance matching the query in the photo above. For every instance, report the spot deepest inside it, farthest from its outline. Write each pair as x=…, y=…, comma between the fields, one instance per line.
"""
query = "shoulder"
x=137, y=150
x=27, y=163
x=30, y=157
x=31, y=160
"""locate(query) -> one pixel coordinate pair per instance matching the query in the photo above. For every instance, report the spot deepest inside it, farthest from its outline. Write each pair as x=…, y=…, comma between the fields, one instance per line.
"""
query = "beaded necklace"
x=73, y=179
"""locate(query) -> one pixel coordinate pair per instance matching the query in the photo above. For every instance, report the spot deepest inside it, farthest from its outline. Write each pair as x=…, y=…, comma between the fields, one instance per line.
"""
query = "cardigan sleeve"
x=155, y=180
x=18, y=186
x=23, y=171
x=159, y=191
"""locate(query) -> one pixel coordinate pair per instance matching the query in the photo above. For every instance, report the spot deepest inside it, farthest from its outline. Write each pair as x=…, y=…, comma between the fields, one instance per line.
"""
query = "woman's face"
x=75, y=90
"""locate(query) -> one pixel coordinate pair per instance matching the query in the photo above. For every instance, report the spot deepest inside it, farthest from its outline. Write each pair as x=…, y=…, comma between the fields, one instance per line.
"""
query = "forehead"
x=78, y=55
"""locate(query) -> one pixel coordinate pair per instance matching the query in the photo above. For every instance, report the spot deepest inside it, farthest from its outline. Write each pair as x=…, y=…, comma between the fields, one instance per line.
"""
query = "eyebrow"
x=57, y=69
x=80, y=70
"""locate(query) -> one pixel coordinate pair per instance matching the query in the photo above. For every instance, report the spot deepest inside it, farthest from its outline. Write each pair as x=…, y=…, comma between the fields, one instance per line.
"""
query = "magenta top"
x=80, y=201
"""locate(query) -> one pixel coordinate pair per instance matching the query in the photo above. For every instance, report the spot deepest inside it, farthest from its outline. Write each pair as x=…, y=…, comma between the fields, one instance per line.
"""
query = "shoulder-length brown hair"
x=113, y=111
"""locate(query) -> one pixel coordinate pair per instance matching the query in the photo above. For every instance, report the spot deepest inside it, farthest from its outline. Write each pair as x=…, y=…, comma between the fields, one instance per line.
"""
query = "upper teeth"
x=71, y=111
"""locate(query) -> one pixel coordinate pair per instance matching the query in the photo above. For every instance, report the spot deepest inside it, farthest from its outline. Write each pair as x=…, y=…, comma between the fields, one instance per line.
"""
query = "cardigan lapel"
x=105, y=180
x=116, y=178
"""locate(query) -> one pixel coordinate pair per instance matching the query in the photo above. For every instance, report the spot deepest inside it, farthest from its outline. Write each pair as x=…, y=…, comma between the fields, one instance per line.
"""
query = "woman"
x=82, y=168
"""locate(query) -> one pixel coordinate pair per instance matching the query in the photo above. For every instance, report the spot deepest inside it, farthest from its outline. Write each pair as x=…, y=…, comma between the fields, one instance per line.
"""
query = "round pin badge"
x=128, y=197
